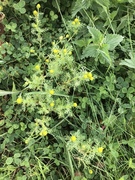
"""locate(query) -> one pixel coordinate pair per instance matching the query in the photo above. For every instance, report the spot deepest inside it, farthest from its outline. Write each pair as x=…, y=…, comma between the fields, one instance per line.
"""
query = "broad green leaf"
x=113, y=40
x=129, y=63
x=82, y=42
x=97, y=36
x=90, y=51
x=79, y=5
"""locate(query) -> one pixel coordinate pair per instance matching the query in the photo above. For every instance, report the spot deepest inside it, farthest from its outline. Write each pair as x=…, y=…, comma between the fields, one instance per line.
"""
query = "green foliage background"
x=67, y=90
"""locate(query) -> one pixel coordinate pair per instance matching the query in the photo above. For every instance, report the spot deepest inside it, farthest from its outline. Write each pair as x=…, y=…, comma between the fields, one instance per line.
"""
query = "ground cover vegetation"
x=67, y=86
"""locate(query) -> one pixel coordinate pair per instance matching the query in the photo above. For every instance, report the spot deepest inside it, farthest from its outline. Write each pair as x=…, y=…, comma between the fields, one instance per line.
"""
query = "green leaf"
x=82, y=42
x=105, y=54
x=90, y=51
x=20, y=6
x=103, y=3
x=97, y=36
x=129, y=63
x=79, y=5
x=113, y=40
x=125, y=177
x=9, y=160
x=3, y=93
x=21, y=3
x=14, y=94
x=2, y=122
x=131, y=164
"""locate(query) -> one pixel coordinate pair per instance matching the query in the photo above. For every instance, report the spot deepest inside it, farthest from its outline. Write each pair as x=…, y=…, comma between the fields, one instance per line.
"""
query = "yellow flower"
x=70, y=53
x=73, y=138
x=100, y=149
x=32, y=50
x=51, y=71
x=43, y=132
x=75, y=104
x=51, y=92
x=53, y=43
x=60, y=38
x=47, y=60
x=35, y=13
x=83, y=147
x=26, y=141
x=73, y=22
x=76, y=21
x=1, y=8
x=55, y=51
x=52, y=104
x=67, y=36
x=38, y=6
x=65, y=51
x=85, y=76
x=37, y=67
x=34, y=25
x=19, y=100
x=90, y=171
x=90, y=76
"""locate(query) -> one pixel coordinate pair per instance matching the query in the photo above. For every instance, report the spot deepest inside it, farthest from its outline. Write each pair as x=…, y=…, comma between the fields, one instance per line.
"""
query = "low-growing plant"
x=67, y=102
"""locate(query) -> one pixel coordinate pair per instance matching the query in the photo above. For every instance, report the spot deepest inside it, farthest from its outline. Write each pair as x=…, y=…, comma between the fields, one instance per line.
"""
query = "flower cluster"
x=88, y=76
x=76, y=21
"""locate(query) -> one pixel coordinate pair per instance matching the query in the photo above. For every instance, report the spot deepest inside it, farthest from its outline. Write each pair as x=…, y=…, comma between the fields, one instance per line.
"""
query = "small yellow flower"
x=52, y=104
x=90, y=171
x=37, y=67
x=83, y=147
x=55, y=51
x=53, y=43
x=73, y=138
x=90, y=76
x=43, y=132
x=67, y=36
x=85, y=76
x=1, y=8
x=35, y=13
x=51, y=71
x=70, y=53
x=60, y=38
x=47, y=60
x=100, y=149
x=34, y=25
x=26, y=141
x=75, y=104
x=76, y=20
x=38, y=6
x=51, y=91
x=19, y=100
x=65, y=51
x=32, y=51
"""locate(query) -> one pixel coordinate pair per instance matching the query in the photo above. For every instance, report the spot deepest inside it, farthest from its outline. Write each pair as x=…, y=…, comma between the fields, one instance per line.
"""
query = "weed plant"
x=67, y=86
